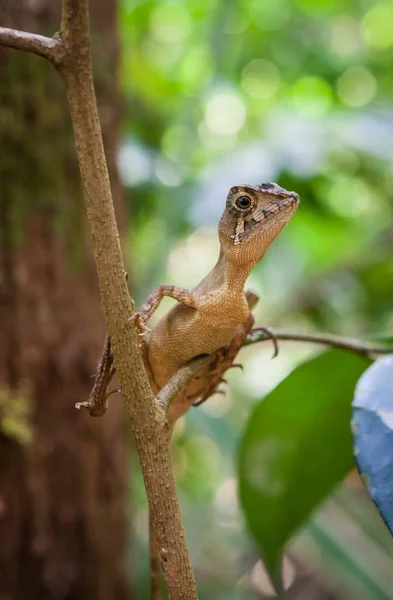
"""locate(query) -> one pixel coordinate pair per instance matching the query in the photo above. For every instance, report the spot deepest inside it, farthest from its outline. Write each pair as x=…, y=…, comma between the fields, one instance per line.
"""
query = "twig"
x=50, y=48
x=195, y=366
x=181, y=378
x=327, y=339
x=97, y=403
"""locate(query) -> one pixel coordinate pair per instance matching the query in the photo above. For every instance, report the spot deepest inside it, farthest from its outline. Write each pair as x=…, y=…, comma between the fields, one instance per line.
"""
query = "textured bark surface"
x=62, y=473
x=148, y=419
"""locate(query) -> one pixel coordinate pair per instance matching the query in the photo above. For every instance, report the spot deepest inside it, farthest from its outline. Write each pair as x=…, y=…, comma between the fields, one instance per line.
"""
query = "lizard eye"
x=243, y=202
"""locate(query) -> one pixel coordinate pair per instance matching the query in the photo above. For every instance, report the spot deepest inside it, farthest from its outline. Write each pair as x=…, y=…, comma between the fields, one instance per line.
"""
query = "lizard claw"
x=142, y=337
x=236, y=366
x=222, y=392
x=270, y=334
x=115, y=391
x=142, y=333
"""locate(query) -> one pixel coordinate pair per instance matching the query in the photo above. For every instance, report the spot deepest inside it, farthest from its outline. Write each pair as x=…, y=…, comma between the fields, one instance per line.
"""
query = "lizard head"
x=252, y=219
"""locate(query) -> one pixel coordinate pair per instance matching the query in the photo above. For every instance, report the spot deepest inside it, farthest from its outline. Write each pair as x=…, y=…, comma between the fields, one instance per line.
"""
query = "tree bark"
x=62, y=473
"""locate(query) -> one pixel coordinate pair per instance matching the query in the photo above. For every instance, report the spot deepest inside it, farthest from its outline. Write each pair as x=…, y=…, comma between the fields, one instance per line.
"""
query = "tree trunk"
x=62, y=473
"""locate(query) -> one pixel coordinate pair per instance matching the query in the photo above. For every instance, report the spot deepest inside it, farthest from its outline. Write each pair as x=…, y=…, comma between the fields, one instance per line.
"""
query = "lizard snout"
x=294, y=197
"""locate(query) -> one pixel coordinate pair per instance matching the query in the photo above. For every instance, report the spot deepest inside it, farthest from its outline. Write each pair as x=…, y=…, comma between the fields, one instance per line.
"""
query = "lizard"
x=215, y=316
x=207, y=317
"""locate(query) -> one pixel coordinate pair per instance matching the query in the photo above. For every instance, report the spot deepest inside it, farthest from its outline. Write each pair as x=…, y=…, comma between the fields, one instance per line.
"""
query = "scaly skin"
x=208, y=317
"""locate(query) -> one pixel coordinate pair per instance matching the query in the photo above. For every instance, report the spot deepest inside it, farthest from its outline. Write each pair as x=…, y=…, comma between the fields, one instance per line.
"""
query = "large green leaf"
x=296, y=446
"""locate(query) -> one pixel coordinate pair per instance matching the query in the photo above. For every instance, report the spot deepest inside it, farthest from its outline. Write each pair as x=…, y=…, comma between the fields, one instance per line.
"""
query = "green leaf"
x=296, y=446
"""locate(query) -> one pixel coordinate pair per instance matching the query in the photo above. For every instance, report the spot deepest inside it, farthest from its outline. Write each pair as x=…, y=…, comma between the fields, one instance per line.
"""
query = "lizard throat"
x=229, y=273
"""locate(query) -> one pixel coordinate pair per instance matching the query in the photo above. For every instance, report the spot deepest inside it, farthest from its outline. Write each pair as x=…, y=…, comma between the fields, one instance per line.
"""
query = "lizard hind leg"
x=224, y=361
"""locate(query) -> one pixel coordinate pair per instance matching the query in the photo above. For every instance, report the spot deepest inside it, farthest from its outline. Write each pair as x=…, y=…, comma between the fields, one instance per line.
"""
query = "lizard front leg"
x=182, y=295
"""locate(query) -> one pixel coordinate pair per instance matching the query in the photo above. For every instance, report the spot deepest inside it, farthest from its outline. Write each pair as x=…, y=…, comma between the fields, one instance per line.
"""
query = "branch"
x=147, y=417
x=327, y=339
x=181, y=378
x=50, y=48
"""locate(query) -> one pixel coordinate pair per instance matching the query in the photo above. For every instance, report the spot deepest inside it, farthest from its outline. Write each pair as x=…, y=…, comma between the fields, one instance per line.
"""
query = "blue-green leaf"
x=373, y=434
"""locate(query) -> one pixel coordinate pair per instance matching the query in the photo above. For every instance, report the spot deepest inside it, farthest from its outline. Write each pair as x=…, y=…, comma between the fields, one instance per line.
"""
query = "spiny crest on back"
x=257, y=208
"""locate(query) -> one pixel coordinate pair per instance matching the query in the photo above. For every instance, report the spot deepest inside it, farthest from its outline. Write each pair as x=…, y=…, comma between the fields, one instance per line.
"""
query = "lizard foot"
x=143, y=330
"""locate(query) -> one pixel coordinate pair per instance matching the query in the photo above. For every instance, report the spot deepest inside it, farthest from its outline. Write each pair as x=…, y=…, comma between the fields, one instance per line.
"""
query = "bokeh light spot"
x=260, y=79
x=135, y=164
x=176, y=140
x=237, y=23
x=377, y=26
x=225, y=113
x=312, y=96
x=170, y=23
x=356, y=86
x=226, y=497
x=351, y=197
x=167, y=172
x=345, y=37
x=269, y=16
x=196, y=68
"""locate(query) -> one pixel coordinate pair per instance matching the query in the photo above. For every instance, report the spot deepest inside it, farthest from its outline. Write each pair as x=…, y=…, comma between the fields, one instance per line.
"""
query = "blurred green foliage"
x=220, y=93
x=296, y=447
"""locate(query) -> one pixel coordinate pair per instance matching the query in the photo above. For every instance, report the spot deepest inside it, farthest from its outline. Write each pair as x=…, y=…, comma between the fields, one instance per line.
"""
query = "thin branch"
x=195, y=366
x=97, y=404
x=49, y=48
x=181, y=378
x=327, y=339
x=149, y=423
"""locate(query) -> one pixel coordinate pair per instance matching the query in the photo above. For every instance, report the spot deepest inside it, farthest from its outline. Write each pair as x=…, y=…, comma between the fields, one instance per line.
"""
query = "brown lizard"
x=205, y=318
x=215, y=316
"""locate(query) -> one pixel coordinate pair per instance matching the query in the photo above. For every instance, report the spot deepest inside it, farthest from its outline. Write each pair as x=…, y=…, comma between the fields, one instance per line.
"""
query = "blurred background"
x=194, y=97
